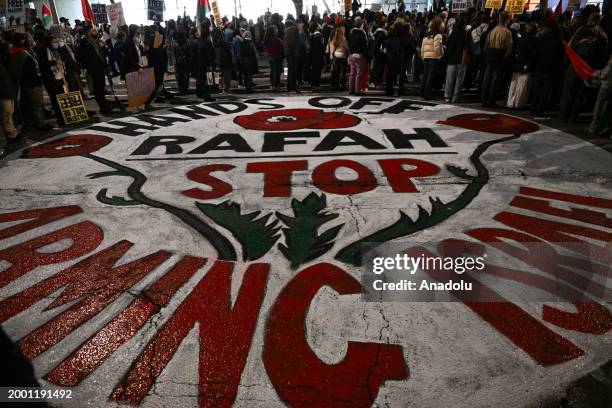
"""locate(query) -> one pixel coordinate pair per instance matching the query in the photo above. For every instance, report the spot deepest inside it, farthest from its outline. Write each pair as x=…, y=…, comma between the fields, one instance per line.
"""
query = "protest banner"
x=72, y=107
x=572, y=5
x=99, y=11
x=15, y=12
x=139, y=86
x=155, y=10
x=347, y=5
x=460, y=6
x=216, y=13
x=493, y=4
x=115, y=15
x=515, y=6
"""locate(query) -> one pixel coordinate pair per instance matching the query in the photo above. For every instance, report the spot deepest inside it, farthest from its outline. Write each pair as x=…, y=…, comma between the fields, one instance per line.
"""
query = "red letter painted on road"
x=300, y=378
x=225, y=337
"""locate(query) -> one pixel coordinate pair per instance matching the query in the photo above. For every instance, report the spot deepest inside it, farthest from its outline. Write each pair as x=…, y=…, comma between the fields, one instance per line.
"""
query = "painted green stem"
x=440, y=211
x=221, y=244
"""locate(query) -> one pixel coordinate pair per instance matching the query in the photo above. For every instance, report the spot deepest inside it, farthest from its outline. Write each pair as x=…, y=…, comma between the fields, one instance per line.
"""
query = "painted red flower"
x=294, y=119
x=73, y=145
x=496, y=123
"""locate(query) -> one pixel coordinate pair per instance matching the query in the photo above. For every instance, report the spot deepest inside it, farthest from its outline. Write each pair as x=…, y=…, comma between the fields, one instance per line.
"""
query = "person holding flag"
x=203, y=11
x=88, y=12
x=47, y=17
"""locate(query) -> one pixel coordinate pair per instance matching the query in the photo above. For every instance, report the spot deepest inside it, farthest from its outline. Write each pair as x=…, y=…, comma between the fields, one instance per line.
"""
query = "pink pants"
x=358, y=66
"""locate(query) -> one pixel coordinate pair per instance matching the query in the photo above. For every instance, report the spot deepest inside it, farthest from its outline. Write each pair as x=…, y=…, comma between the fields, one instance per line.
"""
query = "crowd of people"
x=520, y=60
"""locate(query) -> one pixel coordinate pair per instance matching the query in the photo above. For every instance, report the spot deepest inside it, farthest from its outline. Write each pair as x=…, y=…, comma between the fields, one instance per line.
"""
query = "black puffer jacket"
x=358, y=43
x=455, y=45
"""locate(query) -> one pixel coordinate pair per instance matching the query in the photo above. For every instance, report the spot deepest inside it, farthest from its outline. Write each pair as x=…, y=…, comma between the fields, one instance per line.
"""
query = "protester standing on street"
x=290, y=47
x=26, y=76
x=524, y=53
x=204, y=74
x=53, y=71
x=457, y=59
x=359, y=55
x=273, y=47
x=316, y=56
x=497, y=50
x=94, y=61
x=338, y=50
x=432, y=51
x=8, y=131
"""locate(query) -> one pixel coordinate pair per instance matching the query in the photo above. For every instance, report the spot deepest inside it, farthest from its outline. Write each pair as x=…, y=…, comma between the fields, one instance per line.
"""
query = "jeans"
x=276, y=67
x=358, y=66
x=454, y=81
x=32, y=104
x=431, y=69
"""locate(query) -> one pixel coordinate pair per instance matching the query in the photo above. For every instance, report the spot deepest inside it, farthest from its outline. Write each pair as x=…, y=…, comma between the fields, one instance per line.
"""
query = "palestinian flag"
x=582, y=69
x=47, y=17
x=203, y=9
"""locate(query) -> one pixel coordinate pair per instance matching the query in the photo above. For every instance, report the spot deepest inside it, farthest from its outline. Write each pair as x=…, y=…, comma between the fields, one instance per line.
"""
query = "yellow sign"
x=572, y=5
x=515, y=6
x=72, y=107
x=216, y=14
x=493, y=4
x=348, y=5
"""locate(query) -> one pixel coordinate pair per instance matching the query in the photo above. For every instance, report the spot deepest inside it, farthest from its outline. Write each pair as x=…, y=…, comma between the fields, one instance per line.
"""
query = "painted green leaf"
x=255, y=235
x=303, y=243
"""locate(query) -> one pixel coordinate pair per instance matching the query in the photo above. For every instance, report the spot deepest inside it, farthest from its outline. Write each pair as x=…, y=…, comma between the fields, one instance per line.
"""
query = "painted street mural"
x=211, y=255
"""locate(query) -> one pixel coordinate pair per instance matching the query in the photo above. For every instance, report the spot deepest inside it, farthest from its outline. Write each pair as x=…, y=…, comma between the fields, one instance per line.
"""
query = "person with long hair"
x=432, y=51
x=338, y=50
x=273, y=47
x=547, y=65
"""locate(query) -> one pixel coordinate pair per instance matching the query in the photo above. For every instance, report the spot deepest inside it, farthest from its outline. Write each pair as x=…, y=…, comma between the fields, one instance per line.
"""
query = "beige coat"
x=342, y=49
x=432, y=47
